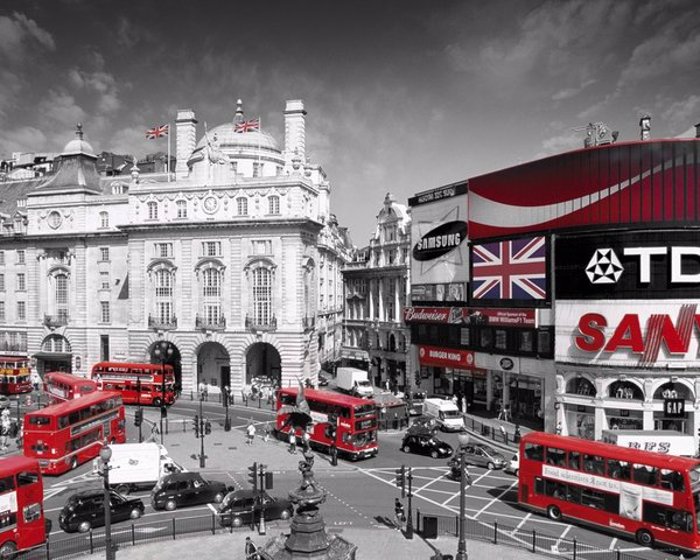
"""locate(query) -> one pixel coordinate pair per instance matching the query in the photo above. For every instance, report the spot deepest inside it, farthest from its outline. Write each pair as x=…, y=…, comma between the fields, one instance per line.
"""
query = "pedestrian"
x=292, y=441
x=306, y=441
x=503, y=433
x=266, y=432
x=5, y=428
x=250, y=433
x=251, y=551
x=465, y=404
x=399, y=514
x=334, y=454
x=459, y=402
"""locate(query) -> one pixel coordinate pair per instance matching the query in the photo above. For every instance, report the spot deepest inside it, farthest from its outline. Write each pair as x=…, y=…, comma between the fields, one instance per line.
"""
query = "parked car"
x=238, y=506
x=425, y=444
x=186, y=489
x=481, y=455
x=514, y=465
x=85, y=510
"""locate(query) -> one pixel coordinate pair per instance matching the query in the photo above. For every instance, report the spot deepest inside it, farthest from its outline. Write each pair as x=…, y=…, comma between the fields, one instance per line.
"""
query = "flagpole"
x=168, y=166
x=259, y=133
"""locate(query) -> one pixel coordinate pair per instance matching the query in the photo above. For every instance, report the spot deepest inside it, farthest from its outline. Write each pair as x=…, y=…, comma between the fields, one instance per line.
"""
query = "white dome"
x=230, y=142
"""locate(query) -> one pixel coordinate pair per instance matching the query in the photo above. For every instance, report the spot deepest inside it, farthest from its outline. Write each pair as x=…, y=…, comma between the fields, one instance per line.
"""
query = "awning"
x=53, y=355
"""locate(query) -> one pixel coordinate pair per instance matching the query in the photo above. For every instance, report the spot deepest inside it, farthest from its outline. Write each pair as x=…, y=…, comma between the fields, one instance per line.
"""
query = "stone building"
x=222, y=261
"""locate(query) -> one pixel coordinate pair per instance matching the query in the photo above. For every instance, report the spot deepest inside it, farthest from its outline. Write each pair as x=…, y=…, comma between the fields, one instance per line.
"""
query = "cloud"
x=22, y=139
x=102, y=83
x=683, y=111
x=19, y=33
x=561, y=143
x=568, y=93
x=60, y=109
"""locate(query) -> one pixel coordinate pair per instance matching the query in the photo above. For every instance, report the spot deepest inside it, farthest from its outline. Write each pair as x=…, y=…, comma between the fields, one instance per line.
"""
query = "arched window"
x=152, y=210
x=673, y=391
x=104, y=220
x=625, y=390
x=55, y=343
x=262, y=296
x=242, y=204
x=274, y=205
x=580, y=386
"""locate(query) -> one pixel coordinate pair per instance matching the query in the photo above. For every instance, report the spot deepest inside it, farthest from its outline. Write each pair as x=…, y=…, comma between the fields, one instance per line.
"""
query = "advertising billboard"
x=439, y=236
x=629, y=333
x=658, y=264
x=652, y=183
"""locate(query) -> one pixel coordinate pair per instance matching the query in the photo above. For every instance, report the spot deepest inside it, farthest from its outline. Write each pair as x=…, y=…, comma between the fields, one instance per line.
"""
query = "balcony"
x=308, y=323
x=210, y=325
x=55, y=321
x=161, y=323
x=252, y=325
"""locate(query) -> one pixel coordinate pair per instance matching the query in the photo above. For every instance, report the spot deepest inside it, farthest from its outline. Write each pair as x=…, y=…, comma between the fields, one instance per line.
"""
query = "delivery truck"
x=660, y=441
x=137, y=466
x=354, y=381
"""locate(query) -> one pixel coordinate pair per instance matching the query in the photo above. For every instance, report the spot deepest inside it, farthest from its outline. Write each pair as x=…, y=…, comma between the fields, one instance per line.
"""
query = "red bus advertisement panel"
x=61, y=387
x=22, y=523
x=64, y=435
x=144, y=384
x=15, y=375
x=349, y=422
x=652, y=497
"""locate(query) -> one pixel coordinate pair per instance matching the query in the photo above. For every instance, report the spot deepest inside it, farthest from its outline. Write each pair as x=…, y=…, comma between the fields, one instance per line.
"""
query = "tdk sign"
x=605, y=266
x=440, y=241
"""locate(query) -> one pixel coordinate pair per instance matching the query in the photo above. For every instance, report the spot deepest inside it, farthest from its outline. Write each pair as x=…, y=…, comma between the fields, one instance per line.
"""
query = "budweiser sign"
x=651, y=336
x=494, y=317
x=427, y=314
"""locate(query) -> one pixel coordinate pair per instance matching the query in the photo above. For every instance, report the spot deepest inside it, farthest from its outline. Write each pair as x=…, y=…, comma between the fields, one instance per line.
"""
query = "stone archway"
x=55, y=355
x=171, y=358
x=213, y=365
x=263, y=361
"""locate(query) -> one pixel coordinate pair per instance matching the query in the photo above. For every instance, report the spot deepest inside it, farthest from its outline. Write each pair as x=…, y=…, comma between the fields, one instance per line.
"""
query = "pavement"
x=228, y=451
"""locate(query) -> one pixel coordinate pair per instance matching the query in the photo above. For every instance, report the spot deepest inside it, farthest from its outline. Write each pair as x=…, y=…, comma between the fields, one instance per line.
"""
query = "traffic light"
x=268, y=481
x=253, y=475
x=401, y=480
x=163, y=412
x=138, y=417
x=195, y=423
x=207, y=427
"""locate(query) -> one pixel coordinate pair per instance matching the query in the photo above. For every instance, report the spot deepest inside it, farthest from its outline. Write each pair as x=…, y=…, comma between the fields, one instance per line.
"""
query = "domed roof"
x=78, y=145
x=226, y=138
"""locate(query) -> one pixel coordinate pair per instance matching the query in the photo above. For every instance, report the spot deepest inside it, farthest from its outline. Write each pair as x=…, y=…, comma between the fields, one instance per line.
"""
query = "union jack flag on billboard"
x=248, y=126
x=513, y=269
x=157, y=132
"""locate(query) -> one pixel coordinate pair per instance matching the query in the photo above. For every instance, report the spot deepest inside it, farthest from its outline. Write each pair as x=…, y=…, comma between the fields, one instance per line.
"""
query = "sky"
x=402, y=95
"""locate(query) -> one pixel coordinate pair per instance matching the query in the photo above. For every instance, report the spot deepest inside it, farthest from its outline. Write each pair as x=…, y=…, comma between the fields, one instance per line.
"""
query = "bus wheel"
x=645, y=538
x=73, y=463
x=122, y=489
x=8, y=550
x=553, y=512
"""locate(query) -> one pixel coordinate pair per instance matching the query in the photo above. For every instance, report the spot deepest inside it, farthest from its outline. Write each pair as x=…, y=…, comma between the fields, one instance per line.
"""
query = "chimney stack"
x=294, y=130
x=645, y=127
x=697, y=130
x=186, y=126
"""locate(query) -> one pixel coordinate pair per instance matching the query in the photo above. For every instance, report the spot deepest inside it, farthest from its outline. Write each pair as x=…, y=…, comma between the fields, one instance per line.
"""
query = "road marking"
x=517, y=527
x=612, y=544
x=54, y=492
x=496, y=499
x=561, y=537
x=432, y=481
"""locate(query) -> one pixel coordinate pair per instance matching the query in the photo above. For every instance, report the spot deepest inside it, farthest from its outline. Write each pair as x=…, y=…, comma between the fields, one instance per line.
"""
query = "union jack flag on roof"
x=157, y=131
x=248, y=126
x=513, y=269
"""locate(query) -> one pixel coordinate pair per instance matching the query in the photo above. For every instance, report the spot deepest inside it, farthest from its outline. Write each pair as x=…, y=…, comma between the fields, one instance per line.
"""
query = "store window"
x=580, y=386
x=625, y=390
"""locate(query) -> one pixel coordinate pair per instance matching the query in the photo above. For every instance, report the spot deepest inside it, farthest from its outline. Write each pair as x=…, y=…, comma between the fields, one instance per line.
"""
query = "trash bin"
x=430, y=526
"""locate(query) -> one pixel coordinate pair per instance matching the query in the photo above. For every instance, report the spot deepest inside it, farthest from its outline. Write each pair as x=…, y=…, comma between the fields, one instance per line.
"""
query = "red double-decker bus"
x=156, y=382
x=60, y=387
x=22, y=523
x=14, y=375
x=651, y=496
x=64, y=435
x=348, y=421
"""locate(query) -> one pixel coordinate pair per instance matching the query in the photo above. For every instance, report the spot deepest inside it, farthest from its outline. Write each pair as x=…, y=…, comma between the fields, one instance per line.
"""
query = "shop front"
x=452, y=372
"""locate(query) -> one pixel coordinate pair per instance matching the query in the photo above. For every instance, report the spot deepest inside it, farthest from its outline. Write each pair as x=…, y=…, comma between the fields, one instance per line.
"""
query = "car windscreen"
x=452, y=413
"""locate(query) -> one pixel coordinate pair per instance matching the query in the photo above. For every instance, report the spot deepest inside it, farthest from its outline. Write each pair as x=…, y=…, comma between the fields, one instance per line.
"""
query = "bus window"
x=594, y=464
x=575, y=460
x=534, y=452
x=618, y=469
x=672, y=480
x=7, y=484
x=27, y=477
x=39, y=420
x=667, y=517
x=32, y=512
x=556, y=457
x=644, y=474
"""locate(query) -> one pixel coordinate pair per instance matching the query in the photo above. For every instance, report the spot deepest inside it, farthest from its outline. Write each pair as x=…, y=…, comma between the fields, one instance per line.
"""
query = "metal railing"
x=129, y=534
x=211, y=325
x=162, y=323
x=528, y=539
x=252, y=324
x=53, y=321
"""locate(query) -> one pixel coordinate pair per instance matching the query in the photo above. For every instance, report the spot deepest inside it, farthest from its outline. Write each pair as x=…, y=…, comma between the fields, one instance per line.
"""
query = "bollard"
x=92, y=546
x=534, y=540
x=166, y=425
x=574, y=557
x=133, y=535
x=173, y=528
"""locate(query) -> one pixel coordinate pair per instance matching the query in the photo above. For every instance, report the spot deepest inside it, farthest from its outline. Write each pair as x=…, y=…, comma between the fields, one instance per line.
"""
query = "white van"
x=448, y=416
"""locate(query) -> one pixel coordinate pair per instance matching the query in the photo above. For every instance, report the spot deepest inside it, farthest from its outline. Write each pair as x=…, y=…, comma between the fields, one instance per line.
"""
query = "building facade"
x=376, y=292
x=220, y=262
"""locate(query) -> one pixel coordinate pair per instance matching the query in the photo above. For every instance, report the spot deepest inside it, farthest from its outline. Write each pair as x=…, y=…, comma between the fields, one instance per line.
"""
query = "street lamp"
x=139, y=411
x=163, y=351
x=463, y=483
x=105, y=456
x=227, y=420
x=202, y=430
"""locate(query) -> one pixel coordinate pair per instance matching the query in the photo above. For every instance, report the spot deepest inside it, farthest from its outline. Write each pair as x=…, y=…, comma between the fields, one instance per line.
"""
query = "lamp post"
x=163, y=351
x=227, y=420
x=105, y=456
x=140, y=411
x=463, y=483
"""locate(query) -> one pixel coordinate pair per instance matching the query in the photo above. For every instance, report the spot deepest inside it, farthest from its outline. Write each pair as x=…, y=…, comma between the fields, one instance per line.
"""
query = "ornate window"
x=211, y=276
x=104, y=220
x=274, y=205
x=152, y=210
x=21, y=311
x=242, y=204
x=181, y=208
x=55, y=343
x=163, y=278
x=262, y=296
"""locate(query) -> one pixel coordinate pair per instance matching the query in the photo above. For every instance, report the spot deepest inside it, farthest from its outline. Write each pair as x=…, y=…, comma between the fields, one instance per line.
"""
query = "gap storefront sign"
x=629, y=333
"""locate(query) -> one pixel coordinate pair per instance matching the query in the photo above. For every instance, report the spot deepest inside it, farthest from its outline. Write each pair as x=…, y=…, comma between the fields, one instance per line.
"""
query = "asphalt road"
x=359, y=494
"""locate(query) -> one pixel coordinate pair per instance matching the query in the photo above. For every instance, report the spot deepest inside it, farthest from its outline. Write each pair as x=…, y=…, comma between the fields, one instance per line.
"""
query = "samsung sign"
x=637, y=265
x=440, y=241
